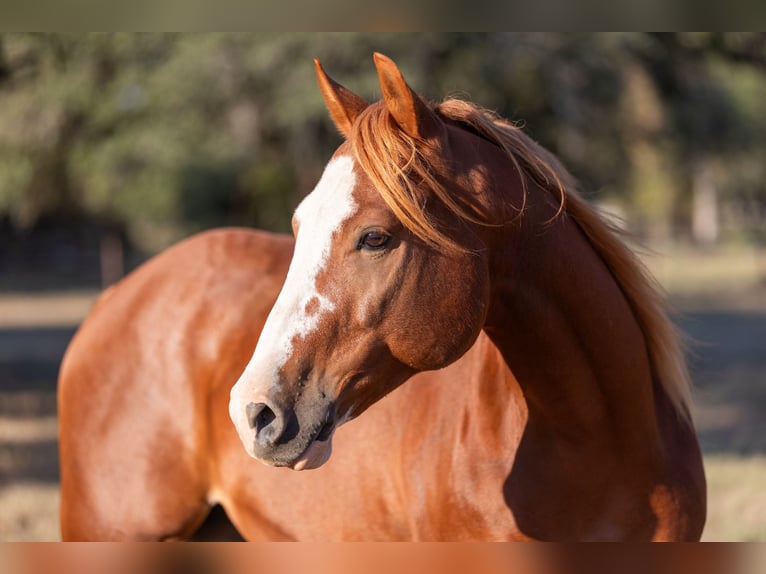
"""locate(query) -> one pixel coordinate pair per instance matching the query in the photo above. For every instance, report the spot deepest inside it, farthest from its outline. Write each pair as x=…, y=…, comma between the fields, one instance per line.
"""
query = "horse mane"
x=405, y=181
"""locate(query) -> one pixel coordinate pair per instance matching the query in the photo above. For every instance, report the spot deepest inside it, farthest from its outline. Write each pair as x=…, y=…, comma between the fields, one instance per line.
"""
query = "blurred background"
x=115, y=146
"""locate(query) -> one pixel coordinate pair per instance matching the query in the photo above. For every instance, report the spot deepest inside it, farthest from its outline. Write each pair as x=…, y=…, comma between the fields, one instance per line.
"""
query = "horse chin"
x=317, y=453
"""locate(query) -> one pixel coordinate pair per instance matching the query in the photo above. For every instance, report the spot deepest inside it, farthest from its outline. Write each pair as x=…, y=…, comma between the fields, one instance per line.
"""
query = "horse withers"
x=543, y=392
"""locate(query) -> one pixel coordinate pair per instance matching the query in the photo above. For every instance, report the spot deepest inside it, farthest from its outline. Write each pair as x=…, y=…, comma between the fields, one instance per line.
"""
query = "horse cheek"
x=464, y=308
x=440, y=320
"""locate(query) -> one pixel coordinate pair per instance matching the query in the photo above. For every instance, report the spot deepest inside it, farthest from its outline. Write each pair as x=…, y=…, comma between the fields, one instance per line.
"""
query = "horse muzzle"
x=299, y=438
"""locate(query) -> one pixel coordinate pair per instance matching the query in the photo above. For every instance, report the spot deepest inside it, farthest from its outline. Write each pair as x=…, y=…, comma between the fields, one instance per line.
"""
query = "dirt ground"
x=34, y=332
x=726, y=323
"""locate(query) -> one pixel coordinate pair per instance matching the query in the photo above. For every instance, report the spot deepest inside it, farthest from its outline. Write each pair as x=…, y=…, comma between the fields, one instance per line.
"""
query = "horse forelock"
x=400, y=168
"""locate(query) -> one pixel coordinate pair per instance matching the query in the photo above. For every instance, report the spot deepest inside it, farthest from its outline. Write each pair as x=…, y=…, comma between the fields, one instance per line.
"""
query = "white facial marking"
x=320, y=215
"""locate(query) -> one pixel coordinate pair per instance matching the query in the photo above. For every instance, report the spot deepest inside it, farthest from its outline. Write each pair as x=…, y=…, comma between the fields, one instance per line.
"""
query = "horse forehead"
x=332, y=200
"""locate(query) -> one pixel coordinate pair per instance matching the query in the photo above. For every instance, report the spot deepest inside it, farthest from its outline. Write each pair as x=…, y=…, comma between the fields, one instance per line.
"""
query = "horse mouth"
x=317, y=451
x=326, y=431
x=318, y=448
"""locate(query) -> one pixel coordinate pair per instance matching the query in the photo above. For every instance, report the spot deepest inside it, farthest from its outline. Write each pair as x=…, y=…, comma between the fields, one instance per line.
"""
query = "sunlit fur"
x=398, y=166
x=553, y=424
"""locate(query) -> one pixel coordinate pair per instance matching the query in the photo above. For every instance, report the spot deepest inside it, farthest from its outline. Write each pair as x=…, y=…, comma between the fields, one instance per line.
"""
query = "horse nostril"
x=267, y=424
x=259, y=416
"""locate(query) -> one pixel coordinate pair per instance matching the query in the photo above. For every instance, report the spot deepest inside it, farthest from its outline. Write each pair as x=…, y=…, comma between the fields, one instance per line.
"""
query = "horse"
x=482, y=352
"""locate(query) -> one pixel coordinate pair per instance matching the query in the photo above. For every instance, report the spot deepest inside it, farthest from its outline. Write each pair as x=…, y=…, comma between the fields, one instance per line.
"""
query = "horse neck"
x=566, y=330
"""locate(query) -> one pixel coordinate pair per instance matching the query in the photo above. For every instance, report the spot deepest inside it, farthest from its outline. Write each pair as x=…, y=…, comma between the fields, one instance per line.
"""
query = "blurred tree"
x=167, y=134
x=708, y=122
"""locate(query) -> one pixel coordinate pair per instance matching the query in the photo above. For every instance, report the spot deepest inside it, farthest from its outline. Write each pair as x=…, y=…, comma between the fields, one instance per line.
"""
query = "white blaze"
x=319, y=215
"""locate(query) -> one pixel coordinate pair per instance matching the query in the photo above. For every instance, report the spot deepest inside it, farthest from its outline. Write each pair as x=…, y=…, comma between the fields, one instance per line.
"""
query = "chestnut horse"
x=547, y=394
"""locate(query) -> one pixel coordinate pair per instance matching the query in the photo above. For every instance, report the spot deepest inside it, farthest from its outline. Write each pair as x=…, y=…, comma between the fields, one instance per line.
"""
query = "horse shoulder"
x=134, y=383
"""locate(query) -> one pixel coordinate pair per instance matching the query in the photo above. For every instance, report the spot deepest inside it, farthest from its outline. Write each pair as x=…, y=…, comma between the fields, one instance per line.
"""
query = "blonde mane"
x=397, y=165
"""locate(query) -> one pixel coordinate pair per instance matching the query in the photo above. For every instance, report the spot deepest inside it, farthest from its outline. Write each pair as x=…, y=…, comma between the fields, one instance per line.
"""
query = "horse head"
x=389, y=276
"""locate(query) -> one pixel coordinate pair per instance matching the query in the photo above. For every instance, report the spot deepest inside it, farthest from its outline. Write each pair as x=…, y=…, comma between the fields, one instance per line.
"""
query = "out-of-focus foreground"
x=114, y=146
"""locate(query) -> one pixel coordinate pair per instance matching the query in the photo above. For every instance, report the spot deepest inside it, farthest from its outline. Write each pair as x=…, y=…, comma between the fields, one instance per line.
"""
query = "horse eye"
x=373, y=240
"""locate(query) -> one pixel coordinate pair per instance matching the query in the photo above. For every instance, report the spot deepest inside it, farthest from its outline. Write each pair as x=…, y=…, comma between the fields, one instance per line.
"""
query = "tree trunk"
x=705, y=226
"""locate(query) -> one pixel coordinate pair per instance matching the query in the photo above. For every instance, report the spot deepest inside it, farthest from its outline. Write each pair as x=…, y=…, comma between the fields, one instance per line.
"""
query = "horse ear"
x=408, y=109
x=343, y=104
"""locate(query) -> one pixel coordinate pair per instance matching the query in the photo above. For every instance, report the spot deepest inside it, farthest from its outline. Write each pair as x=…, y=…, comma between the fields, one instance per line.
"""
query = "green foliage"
x=168, y=134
